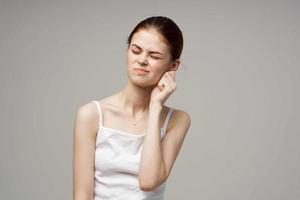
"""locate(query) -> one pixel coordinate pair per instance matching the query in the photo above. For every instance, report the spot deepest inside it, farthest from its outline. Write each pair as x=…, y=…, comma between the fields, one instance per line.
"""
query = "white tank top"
x=117, y=157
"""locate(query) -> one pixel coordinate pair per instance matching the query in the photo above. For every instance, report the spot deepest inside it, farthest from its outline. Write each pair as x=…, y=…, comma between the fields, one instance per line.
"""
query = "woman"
x=126, y=144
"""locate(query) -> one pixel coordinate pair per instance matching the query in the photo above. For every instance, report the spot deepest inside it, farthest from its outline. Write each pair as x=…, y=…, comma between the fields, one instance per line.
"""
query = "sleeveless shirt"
x=117, y=157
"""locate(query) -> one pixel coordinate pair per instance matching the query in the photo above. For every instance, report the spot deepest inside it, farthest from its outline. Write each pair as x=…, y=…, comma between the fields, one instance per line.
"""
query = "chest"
x=121, y=120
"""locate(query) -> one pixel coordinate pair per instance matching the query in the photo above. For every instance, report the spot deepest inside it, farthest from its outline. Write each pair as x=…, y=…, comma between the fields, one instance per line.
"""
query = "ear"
x=174, y=65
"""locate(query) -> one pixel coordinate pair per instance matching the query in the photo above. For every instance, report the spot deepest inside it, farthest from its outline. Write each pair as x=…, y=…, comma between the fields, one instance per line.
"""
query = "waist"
x=118, y=189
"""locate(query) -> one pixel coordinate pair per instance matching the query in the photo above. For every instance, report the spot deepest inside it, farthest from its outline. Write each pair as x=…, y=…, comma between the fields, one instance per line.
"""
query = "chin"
x=140, y=81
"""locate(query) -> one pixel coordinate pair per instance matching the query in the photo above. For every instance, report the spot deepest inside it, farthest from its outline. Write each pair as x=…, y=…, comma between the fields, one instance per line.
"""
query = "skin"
x=141, y=100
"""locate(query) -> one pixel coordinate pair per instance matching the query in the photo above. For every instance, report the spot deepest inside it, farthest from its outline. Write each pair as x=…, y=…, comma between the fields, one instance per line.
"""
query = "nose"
x=143, y=60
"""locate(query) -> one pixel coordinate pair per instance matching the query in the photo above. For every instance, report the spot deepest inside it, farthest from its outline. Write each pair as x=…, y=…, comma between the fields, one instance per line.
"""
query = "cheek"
x=158, y=71
x=159, y=66
x=130, y=57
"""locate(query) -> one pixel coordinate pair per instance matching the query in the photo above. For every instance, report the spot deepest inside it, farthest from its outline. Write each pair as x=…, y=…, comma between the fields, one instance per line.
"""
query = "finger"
x=170, y=85
x=171, y=80
x=173, y=85
x=162, y=84
x=171, y=74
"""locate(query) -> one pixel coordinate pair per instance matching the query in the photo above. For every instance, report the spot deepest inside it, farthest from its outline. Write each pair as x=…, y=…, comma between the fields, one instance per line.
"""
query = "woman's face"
x=149, y=52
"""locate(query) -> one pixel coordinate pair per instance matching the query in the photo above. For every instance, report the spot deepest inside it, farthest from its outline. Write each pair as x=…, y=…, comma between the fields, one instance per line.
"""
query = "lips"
x=141, y=69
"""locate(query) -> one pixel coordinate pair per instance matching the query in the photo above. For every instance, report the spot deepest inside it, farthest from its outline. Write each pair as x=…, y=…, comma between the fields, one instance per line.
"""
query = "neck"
x=135, y=99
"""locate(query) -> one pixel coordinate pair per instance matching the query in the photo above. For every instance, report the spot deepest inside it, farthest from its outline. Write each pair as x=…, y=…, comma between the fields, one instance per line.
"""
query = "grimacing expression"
x=148, y=51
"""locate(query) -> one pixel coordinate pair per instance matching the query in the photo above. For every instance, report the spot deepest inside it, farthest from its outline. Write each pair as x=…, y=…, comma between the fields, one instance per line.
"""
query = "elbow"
x=149, y=181
x=149, y=184
x=146, y=186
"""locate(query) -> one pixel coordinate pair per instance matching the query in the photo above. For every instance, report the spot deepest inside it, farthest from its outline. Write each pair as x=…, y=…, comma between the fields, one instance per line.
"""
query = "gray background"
x=239, y=80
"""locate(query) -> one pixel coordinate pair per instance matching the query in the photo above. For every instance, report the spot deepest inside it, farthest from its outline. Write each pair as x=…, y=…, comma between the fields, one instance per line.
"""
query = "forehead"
x=150, y=40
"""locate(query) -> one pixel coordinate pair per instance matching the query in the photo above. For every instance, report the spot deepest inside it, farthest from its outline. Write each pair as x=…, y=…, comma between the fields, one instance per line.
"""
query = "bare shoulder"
x=86, y=121
x=84, y=150
x=179, y=118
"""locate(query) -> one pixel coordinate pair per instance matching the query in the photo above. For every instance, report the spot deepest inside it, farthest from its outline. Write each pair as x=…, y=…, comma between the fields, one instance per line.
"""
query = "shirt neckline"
x=126, y=132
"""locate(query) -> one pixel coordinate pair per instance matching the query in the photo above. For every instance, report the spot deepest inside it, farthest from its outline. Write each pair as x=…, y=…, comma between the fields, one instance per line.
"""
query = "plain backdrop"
x=239, y=81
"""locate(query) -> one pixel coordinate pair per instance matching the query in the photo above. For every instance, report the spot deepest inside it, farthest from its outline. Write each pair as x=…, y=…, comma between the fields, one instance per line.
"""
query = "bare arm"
x=159, y=156
x=83, y=153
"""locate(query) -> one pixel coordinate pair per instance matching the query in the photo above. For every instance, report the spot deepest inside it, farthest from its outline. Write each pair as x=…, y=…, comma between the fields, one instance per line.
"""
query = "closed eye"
x=136, y=52
x=155, y=57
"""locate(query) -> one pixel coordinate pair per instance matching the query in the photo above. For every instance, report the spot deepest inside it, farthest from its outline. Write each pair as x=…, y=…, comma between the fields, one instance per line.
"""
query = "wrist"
x=155, y=105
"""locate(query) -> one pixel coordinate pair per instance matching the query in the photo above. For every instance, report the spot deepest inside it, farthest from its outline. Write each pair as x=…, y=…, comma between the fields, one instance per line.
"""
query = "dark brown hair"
x=167, y=28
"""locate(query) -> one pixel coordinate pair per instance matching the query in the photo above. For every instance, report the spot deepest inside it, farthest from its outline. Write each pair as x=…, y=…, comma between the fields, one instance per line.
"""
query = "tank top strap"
x=167, y=119
x=99, y=111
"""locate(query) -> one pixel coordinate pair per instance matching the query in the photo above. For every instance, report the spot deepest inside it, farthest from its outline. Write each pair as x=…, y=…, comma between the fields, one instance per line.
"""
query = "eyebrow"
x=149, y=51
